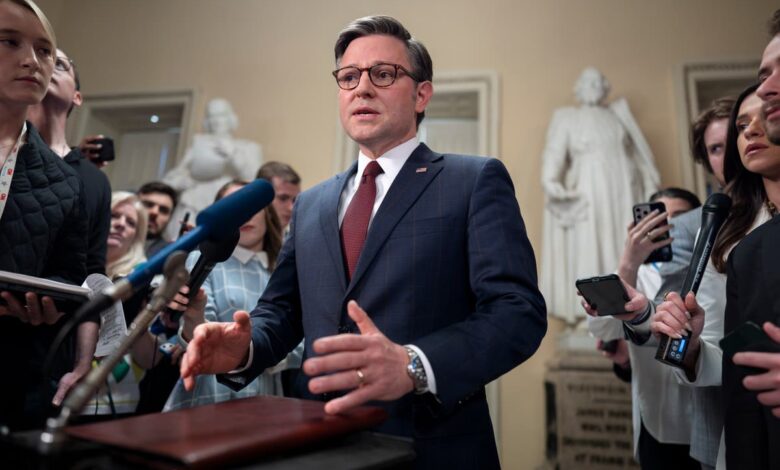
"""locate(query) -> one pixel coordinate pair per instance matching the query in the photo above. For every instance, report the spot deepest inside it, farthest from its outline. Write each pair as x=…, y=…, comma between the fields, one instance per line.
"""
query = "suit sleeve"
x=510, y=319
x=276, y=320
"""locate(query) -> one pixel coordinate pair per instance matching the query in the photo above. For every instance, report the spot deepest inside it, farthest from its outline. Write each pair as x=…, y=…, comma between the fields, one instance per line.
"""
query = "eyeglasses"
x=62, y=64
x=381, y=75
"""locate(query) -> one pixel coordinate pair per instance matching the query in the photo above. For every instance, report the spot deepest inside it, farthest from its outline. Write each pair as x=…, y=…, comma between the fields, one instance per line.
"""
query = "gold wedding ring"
x=360, y=377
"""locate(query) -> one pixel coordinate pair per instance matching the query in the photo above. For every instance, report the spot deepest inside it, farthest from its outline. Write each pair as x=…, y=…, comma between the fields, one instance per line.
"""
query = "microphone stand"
x=175, y=276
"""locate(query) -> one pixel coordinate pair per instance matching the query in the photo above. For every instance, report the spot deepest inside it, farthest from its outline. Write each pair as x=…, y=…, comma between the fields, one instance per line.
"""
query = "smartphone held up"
x=642, y=210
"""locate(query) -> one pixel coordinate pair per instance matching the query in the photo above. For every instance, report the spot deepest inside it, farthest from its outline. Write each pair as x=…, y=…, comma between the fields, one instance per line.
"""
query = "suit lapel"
x=329, y=220
x=770, y=260
x=419, y=170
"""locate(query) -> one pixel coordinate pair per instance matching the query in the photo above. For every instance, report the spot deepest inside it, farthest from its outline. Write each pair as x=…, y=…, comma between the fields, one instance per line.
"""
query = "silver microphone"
x=175, y=276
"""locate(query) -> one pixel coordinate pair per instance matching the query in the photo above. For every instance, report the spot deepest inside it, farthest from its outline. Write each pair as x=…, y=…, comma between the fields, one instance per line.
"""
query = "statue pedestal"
x=588, y=413
x=576, y=340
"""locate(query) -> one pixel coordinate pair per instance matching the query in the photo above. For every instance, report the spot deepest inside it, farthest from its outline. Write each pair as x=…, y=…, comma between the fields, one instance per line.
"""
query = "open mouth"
x=363, y=111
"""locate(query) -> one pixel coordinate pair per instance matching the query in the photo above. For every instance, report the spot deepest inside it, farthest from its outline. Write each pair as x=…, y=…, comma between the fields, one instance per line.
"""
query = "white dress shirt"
x=391, y=162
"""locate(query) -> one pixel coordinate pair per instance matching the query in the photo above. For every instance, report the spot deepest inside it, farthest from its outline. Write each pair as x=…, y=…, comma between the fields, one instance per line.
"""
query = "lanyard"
x=7, y=172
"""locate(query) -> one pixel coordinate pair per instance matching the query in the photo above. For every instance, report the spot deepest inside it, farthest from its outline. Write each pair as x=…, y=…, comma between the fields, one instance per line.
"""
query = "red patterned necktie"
x=354, y=227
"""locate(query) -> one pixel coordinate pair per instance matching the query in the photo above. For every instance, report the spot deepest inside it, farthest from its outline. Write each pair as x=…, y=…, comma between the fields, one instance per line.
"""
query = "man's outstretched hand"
x=216, y=348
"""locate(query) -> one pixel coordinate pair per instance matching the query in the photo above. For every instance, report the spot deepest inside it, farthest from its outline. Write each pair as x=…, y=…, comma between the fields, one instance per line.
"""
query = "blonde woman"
x=127, y=235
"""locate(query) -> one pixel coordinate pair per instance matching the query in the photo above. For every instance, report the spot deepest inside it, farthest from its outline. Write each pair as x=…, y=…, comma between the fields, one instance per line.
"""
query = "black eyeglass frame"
x=360, y=70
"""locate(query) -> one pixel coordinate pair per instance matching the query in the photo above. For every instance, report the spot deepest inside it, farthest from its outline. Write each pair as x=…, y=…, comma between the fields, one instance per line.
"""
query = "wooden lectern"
x=228, y=433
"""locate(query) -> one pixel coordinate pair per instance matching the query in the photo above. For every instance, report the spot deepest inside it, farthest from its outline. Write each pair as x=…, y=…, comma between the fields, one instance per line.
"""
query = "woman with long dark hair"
x=752, y=173
x=234, y=285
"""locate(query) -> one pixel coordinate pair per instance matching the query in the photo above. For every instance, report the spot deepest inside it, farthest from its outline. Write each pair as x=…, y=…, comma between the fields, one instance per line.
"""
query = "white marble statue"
x=214, y=158
x=596, y=166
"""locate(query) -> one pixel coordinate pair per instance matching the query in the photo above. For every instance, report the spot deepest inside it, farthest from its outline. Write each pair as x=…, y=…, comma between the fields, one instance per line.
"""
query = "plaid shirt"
x=233, y=285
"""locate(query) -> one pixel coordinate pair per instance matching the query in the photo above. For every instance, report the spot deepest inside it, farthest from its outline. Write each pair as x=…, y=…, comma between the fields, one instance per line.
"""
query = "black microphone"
x=218, y=221
x=715, y=211
x=212, y=252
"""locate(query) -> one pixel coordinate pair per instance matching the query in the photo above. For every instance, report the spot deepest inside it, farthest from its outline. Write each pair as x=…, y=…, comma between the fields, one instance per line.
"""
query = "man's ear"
x=423, y=96
x=77, y=99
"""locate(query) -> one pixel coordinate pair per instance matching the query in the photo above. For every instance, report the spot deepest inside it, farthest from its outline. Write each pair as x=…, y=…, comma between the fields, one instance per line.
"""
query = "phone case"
x=746, y=337
x=663, y=254
x=604, y=293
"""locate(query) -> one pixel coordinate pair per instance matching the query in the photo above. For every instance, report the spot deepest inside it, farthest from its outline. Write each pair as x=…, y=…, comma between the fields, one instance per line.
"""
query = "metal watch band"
x=416, y=371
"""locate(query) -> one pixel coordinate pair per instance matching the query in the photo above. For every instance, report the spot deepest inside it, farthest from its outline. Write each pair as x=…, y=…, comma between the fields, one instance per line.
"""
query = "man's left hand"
x=369, y=364
x=767, y=383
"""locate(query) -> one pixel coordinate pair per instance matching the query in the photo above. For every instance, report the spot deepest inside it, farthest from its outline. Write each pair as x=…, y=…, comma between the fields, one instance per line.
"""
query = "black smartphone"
x=183, y=227
x=610, y=346
x=641, y=211
x=748, y=337
x=106, y=151
x=605, y=294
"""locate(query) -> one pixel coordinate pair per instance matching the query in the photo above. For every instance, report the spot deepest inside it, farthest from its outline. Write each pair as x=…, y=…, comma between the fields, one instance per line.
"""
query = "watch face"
x=416, y=371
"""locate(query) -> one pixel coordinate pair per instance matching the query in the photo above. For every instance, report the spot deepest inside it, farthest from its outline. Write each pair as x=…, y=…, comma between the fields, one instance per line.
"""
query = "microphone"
x=175, y=277
x=715, y=211
x=218, y=221
x=212, y=252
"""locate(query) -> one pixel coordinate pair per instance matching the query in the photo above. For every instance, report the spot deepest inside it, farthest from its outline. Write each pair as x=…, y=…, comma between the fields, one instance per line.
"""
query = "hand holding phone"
x=654, y=228
x=605, y=294
x=98, y=148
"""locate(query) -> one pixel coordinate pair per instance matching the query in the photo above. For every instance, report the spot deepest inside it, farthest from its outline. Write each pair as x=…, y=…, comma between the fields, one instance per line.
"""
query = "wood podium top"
x=229, y=432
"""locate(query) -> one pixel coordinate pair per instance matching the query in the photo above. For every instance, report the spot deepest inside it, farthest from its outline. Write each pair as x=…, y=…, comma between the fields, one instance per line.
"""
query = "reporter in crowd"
x=50, y=117
x=43, y=229
x=125, y=250
x=661, y=407
x=234, y=285
x=749, y=163
x=159, y=199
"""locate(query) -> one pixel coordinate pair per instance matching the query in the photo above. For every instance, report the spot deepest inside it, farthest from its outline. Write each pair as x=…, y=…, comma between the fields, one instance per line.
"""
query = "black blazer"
x=752, y=432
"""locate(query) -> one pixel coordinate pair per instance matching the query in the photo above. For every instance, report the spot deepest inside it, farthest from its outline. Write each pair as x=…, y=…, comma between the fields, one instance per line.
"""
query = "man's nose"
x=365, y=85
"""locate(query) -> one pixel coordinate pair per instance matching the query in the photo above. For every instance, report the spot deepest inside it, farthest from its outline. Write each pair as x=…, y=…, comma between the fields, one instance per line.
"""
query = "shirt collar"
x=392, y=160
x=244, y=256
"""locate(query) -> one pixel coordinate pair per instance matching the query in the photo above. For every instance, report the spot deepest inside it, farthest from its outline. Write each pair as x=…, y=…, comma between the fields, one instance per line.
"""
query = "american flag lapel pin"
x=421, y=169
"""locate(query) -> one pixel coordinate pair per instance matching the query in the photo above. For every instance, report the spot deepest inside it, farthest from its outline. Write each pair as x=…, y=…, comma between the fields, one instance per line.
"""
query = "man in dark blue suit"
x=410, y=276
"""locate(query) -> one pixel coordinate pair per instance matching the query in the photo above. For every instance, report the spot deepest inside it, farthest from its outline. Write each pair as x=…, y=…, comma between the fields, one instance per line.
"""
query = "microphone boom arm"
x=176, y=276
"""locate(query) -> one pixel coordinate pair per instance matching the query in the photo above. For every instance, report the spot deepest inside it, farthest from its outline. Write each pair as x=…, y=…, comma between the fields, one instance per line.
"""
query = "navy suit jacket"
x=446, y=266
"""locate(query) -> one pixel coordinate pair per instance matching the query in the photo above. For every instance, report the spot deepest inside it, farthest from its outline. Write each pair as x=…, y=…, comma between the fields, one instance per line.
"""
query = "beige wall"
x=272, y=60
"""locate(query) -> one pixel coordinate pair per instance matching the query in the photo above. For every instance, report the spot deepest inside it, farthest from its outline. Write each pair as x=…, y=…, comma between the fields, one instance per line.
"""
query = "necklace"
x=771, y=207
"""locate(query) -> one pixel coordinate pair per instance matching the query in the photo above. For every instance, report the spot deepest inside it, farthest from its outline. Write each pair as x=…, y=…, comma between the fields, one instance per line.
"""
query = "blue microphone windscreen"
x=225, y=216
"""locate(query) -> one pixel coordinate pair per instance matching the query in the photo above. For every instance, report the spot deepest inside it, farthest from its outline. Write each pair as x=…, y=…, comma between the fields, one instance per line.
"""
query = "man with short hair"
x=50, y=117
x=751, y=397
x=410, y=275
x=160, y=201
x=287, y=186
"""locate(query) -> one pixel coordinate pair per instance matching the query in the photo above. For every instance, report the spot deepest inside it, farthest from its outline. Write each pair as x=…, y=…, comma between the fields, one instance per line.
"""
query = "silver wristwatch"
x=416, y=371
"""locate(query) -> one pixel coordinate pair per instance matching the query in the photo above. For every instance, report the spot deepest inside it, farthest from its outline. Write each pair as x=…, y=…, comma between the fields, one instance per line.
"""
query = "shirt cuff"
x=248, y=362
x=638, y=329
x=427, y=366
